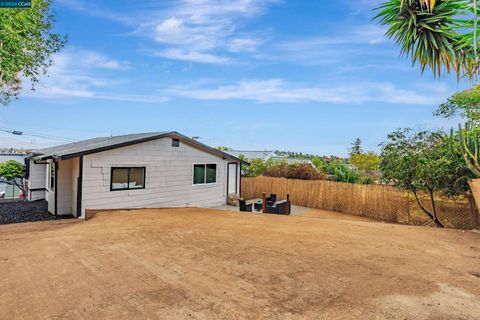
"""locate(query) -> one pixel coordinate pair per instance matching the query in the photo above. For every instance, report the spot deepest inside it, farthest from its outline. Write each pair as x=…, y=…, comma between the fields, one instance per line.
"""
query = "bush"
x=319, y=163
x=292, y=171
x=255, y=169
x=342, y=172
x=366, y=180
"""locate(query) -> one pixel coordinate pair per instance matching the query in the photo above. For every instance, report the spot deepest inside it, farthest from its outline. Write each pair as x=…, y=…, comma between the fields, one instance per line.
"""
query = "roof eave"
x=175, y=134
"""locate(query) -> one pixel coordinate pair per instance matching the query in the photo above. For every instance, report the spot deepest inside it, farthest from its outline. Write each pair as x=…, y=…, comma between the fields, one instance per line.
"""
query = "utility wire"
x=31, y=134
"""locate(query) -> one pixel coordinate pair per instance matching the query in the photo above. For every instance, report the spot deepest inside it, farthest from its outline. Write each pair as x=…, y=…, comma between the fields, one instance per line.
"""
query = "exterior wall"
x=168, y=177
x=36, y=180
x=19, y=157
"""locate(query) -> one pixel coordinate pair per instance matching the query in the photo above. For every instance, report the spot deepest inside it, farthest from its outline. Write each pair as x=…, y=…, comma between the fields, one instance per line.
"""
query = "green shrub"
x=366, y=180
x=291, y=171
x=342, y=172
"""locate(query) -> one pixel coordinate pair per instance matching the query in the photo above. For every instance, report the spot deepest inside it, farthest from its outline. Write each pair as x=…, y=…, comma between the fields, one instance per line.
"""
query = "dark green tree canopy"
x=27, y=43
x=356, y=147
x=11, y=169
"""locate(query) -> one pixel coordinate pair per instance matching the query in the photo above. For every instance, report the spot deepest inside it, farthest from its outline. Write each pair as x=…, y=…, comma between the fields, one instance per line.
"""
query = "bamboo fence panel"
x=380, y=202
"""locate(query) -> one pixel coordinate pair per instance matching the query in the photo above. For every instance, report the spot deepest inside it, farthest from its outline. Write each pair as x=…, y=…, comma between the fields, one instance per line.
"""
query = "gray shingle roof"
x=291, y=160
x=94, y=145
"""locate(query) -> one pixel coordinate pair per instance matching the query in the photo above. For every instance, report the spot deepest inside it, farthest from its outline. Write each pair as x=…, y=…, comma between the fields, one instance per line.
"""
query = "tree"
x=342, y=172
x=465, y=104
x=223, y=148
x=368, y=161
x=27, y=43
x=283, y=169
x=356, y=147
x=424, y=161
x=255, y=167
x=11, y=171
x=428, y=31
x=319, y=163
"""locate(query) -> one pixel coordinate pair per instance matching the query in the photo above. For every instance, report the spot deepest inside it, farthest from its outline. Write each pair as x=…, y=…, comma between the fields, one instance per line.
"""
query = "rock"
x=233, y=200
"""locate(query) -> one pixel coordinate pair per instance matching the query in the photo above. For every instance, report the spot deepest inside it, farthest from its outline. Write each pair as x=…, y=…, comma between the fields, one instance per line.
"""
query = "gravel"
x=25, y=211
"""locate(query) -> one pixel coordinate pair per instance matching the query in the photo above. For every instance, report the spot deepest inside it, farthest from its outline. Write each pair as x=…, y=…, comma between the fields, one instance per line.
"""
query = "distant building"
x=268, y=155
x=252, y=155
x=20, y=157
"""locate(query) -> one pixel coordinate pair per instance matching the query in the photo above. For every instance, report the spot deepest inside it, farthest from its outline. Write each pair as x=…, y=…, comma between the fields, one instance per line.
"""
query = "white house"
x=146, y=170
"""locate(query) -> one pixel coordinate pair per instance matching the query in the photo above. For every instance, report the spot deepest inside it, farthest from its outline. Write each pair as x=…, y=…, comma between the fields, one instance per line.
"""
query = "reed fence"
x=379, y=202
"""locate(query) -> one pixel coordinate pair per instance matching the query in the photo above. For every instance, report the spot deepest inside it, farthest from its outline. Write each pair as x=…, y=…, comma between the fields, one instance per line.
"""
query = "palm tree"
x=475, y=28
x=428, y=32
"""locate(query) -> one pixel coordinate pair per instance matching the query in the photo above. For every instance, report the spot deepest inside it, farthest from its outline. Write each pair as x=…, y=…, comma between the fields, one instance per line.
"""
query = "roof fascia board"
x=206, y=148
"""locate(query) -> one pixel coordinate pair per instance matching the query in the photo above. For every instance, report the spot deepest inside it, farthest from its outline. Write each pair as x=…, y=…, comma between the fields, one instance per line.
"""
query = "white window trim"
x=205, y=183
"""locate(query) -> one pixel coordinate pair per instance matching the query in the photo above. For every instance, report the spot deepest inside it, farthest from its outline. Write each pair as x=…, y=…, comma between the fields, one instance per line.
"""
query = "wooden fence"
x=380, y=202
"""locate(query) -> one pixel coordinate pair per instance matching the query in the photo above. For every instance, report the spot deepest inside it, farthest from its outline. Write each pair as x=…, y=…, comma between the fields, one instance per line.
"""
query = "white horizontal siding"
x=36, y=180
x=169, y=177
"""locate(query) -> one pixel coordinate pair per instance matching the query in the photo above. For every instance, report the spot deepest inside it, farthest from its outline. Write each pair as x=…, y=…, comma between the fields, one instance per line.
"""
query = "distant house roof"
x=252, y=155
x=84, y=147
x=19, y=157
x=291, y=160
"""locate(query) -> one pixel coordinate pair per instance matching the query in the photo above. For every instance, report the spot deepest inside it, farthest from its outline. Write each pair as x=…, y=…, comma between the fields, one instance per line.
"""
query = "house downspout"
x=55, y=186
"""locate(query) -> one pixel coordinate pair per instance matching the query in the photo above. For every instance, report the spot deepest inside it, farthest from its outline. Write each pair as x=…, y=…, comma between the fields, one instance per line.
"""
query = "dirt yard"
x=208, y=264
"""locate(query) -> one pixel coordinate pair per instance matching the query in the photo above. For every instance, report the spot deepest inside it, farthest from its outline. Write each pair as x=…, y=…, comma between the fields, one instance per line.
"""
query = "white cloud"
x=282, y=91
x=243, y=45
x=196, y=30
x=96, y=60
x=192, y=30
x=192, y=56
x=79, y=73
x=347, y=45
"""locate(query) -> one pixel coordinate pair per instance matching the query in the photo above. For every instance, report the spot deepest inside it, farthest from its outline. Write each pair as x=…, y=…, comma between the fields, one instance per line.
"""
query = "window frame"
x=128, y=179
x=175, y=143
x=205, y=175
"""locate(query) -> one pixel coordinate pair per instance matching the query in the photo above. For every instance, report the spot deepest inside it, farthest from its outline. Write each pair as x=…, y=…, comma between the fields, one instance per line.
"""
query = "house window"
x=175, y=142
x=127, y=178
x=204, y=173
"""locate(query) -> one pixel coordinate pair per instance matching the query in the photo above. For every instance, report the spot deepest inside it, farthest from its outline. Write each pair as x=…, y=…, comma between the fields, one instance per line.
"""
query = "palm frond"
x=426, y=31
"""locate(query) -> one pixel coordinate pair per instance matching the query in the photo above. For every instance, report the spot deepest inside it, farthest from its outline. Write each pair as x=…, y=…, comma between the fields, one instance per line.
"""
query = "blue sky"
x=306, y=76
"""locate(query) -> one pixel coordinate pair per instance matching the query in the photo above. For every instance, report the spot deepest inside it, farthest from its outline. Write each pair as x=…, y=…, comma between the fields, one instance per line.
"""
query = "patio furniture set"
x=267, y=205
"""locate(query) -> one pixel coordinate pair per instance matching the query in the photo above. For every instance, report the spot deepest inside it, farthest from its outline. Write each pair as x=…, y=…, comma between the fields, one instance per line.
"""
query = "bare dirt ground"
x=208, y=264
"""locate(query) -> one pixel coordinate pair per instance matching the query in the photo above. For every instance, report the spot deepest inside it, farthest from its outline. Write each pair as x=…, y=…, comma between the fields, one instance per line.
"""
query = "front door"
x=232, y=178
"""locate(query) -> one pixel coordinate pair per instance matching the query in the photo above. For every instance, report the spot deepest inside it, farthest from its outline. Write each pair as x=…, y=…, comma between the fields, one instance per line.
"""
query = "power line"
x=31, y=134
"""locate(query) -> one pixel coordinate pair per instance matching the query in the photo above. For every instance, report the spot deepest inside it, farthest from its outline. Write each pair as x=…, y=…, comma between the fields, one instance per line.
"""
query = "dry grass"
x=208, y=264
